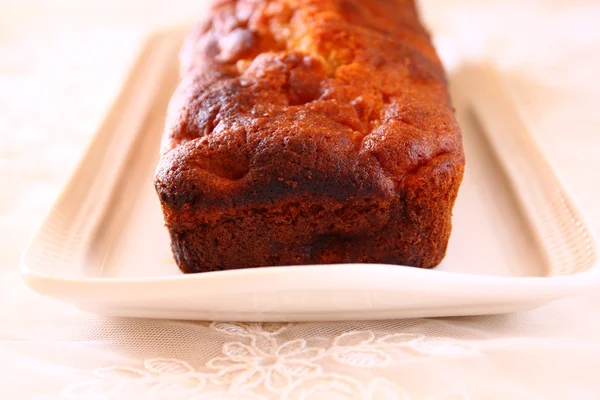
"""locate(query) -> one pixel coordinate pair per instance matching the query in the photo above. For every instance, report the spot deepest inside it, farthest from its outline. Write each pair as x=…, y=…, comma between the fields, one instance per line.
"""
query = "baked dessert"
x=309, y=132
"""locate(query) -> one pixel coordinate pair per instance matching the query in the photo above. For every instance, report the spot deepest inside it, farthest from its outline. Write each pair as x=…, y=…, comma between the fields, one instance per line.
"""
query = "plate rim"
x=68, y=288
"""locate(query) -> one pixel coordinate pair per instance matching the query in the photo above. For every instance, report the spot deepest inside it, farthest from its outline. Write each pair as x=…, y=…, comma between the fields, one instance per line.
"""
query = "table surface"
x=62, y=64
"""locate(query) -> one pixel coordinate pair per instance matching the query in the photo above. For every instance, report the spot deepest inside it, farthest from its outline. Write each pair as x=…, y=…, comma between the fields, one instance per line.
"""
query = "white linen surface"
x=61, y=65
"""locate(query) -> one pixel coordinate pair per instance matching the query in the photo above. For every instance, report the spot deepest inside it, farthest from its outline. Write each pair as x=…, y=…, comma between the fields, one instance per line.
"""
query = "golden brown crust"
x=312, y=131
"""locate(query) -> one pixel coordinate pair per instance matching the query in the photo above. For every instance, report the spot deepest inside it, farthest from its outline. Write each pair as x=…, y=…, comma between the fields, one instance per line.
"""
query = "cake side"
x=309, y=132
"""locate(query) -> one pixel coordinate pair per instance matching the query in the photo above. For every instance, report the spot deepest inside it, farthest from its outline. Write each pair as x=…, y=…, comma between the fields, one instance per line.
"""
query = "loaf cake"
x=309, y=132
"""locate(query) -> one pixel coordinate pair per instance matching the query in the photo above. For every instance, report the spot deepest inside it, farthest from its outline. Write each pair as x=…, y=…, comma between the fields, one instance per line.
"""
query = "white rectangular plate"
x=518, y=240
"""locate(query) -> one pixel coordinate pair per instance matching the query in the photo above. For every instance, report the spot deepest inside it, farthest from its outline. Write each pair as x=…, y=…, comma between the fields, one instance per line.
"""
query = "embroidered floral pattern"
x=274, y=367
x=248, y=330
x=366, y=350
x=360, y=349
x=261, y=335
x=257, y=362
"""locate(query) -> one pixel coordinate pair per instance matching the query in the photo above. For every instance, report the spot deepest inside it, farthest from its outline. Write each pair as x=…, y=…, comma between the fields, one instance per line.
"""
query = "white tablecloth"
x=61, y=65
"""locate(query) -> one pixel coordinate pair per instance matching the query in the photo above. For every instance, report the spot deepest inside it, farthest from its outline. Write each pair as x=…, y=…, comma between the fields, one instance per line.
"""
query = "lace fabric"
x=489, y=357
x=55, y=89
x=255, y=360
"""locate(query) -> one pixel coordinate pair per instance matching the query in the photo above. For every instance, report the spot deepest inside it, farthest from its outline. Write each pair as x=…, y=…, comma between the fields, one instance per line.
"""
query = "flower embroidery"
x=363, y=349
x=262, y=335
x=367, y=350
x=275, y=367
x=256, y=364
x=269, y=329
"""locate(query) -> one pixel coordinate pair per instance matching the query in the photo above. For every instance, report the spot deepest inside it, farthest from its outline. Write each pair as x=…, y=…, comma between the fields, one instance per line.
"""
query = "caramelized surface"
x=297, y=111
